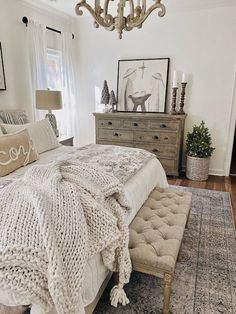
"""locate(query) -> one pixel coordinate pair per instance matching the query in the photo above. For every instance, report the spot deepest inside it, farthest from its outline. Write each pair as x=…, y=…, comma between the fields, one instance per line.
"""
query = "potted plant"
x=199, y=150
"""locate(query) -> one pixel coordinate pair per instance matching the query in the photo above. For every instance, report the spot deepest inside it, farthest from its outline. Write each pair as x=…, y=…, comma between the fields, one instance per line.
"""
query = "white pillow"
x=41, y=133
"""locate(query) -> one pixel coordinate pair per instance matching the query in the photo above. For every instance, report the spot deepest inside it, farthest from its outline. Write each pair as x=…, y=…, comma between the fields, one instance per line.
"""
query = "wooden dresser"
x=161, y=134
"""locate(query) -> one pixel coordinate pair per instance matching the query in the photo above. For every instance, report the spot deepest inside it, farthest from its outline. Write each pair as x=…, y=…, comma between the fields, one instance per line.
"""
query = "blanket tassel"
x=118, y=295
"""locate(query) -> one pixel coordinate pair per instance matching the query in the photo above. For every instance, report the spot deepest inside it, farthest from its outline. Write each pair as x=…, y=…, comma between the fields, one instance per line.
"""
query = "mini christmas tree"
x=112, y=102
x=105, y=94
x=199, y=143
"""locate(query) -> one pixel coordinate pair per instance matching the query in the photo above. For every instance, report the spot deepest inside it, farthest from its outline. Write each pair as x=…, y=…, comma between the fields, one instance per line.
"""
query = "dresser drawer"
x=115, y=135
x=109, y=123
x=126, y=144
x=164, y=125
x=159, y=150
x=169, y=166
x=135, y=124
x=157, y=137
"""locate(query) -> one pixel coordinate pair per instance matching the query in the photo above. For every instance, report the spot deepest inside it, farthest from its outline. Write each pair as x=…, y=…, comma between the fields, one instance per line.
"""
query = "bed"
x=137, y=189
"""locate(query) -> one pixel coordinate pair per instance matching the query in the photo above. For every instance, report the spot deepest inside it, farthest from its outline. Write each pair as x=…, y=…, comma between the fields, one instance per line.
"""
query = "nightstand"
x=66, y=141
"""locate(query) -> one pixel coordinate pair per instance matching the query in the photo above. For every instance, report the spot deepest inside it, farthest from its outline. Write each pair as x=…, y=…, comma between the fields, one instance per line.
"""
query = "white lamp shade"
x=48, y=100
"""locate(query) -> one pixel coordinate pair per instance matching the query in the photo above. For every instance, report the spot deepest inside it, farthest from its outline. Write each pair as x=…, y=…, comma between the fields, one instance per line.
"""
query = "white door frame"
x=231, y=132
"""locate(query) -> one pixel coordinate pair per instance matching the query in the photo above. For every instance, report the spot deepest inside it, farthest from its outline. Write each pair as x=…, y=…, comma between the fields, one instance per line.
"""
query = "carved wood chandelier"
x=135, y=17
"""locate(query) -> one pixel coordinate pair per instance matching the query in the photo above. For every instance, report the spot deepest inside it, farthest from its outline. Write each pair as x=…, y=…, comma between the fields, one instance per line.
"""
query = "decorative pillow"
x=41, y=133
x=16, y=150
x=13, y=117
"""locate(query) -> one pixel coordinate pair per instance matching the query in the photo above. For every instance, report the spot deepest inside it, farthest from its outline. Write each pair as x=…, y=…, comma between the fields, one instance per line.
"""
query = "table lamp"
x=49, y=100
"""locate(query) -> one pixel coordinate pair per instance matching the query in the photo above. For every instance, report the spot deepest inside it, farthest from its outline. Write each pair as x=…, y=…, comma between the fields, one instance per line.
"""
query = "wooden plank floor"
x=225, y=184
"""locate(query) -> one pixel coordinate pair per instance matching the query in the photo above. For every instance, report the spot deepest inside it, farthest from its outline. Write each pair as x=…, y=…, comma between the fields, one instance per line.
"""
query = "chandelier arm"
x=106, y=3
x=143, y=6
x=139, y=21
x=107, y=23
x=131, y=5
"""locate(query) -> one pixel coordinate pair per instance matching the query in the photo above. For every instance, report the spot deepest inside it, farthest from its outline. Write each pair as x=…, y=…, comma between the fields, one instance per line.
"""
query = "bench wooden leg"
x=167, y=291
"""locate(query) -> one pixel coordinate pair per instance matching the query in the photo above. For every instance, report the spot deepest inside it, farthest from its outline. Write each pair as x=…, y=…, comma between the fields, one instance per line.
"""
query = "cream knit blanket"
x=52, y=221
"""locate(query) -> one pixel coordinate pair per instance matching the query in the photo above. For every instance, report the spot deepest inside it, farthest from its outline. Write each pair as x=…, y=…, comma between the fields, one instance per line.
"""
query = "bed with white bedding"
x=136, y=188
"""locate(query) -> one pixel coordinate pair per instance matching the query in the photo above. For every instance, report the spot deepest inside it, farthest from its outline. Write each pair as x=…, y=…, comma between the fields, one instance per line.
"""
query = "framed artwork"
x=142, y=85
x=2, y=73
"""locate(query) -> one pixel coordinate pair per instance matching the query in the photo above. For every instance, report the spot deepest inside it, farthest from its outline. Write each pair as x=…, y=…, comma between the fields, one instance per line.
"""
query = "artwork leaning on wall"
x=142, y=85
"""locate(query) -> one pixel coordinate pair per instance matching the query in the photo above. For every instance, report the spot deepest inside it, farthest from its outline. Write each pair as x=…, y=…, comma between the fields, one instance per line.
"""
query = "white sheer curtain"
x=69, y=123
x=37, y=45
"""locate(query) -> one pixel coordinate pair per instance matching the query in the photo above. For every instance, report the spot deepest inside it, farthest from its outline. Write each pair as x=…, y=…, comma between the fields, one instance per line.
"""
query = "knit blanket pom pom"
x=118, y=295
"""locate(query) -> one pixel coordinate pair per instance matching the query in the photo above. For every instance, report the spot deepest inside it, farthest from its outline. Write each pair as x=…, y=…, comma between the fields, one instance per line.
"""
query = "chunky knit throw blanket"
x=52, y=221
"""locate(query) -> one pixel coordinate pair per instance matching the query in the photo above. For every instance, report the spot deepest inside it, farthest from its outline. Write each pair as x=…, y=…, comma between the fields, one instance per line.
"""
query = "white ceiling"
x=68, y=6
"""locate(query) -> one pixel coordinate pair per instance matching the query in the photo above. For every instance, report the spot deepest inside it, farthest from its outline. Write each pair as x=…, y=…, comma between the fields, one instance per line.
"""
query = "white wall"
x=199, y=42
x=13, y=36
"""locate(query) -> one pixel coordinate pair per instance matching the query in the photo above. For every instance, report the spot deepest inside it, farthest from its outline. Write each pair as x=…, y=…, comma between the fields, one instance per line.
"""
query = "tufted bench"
x=156, y=234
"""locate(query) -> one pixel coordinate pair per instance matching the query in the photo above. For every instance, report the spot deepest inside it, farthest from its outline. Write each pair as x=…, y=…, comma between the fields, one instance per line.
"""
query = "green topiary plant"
x=199, y=143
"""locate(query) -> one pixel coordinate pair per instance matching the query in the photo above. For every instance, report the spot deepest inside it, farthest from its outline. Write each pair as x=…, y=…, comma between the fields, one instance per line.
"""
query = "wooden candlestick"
x=174, y=96
x=181, y=105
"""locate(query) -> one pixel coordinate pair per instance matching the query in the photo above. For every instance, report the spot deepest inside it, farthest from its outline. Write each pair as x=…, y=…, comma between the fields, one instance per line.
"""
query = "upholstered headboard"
x=13, y=117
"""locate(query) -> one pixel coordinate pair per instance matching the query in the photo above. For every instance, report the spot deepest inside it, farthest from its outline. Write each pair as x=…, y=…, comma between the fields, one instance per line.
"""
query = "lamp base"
x=52, y=119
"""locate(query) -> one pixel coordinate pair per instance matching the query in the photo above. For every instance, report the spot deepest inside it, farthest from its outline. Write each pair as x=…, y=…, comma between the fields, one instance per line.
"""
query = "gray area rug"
x=205, y=276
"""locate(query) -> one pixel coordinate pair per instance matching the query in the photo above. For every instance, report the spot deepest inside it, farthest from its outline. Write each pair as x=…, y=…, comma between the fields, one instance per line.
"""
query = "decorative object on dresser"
x=160, y=134
x=66, y=141
x=174, y=94
x=142, y=85
x=127, y=17
x=113, y=101
x=2, y=72
x=49, y=100
x=183, y=85
x=105, y=96
x=198, y=150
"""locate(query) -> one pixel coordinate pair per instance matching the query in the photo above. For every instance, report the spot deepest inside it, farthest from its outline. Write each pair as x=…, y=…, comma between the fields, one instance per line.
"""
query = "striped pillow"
x=13, y=117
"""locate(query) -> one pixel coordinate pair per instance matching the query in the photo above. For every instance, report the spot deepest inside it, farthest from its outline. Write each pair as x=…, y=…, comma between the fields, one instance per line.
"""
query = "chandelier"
x=122, y=21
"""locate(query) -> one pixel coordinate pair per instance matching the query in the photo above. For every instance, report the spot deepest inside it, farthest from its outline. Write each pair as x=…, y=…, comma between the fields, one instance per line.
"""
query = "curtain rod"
x=25, y=21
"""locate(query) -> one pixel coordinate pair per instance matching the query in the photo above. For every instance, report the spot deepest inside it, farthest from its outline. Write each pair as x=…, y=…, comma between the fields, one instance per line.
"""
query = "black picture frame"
x=3, y=85
x=149, y=89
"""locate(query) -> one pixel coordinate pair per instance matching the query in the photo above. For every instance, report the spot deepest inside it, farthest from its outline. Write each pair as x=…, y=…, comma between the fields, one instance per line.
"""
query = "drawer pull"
x=155, y=150
x=163, y=126
x=166, y=138
x=135, y=124
x=140, y=137
x=116, y=134
x=109, y=123
x=155, y=137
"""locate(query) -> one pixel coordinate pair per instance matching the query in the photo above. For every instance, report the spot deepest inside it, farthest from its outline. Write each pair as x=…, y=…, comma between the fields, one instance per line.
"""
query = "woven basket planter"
x=197, y=168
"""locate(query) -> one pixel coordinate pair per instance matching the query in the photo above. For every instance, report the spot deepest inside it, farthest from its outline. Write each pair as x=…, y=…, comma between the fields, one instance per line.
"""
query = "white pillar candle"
x=175, y=79
x=184, y=78
x=138, y=3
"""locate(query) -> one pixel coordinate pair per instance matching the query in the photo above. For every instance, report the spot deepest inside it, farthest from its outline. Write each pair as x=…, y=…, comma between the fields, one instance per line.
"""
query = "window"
x=54, y=69
x=54, y=76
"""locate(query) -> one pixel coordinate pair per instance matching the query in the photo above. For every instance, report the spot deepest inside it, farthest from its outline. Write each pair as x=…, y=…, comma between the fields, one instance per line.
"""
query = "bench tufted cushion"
x=157, y=230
